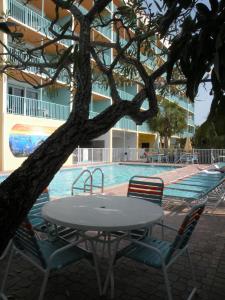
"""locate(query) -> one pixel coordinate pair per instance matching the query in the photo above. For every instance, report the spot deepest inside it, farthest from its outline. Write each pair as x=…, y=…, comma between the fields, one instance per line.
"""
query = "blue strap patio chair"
x=40, y=225
x=2, y=295
x=161, y=254
x=46, y=255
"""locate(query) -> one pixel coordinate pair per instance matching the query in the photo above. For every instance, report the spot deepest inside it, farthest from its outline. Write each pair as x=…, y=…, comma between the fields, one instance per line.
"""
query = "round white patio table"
x=102, y=213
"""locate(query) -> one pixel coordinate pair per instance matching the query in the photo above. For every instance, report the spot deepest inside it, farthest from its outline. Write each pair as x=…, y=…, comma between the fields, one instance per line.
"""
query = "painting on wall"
x=24, y=139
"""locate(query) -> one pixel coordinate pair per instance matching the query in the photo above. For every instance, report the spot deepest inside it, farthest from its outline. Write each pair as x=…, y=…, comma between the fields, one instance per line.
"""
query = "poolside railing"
x=107, y=155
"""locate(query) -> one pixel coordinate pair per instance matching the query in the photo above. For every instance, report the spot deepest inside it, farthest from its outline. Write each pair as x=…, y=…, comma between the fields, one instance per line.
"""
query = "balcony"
x=106, y=31
x=92, y=114
x=191, y=122
x=191, y=107
x=98, y=88
x=34, y=20
x=125, y=95
x=149, y=62
x=182, y=102
x=62, y=77
x=36, y=108
x=144, y=127
x=126, y=123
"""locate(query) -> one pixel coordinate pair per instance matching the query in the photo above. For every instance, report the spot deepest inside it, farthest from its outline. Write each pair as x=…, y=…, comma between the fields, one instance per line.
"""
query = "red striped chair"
x=146, y=188
x=161, y=254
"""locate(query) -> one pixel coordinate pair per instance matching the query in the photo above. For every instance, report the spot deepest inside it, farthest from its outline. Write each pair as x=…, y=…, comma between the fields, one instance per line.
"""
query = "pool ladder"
x=88, y=183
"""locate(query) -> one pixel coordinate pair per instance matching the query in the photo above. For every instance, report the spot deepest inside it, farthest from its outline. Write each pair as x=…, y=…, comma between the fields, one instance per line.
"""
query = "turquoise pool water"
x=113, y=175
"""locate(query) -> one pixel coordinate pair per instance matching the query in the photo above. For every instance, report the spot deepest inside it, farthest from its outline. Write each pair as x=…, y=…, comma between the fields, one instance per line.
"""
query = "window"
x=32, y=94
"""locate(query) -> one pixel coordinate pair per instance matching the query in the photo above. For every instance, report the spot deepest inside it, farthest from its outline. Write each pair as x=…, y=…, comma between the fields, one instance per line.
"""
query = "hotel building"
x=29, y=116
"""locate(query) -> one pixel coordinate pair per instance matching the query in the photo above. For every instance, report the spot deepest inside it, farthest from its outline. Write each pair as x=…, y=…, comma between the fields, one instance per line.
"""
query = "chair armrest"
x=147, y=246
x=69, y=245
x=166, y=226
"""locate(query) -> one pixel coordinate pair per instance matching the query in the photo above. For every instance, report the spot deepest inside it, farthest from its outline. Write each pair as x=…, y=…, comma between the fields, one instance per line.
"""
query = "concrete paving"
x=132, y=280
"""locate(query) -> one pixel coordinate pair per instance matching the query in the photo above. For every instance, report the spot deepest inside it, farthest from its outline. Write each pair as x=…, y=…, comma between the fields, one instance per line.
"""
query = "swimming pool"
x=114, y=174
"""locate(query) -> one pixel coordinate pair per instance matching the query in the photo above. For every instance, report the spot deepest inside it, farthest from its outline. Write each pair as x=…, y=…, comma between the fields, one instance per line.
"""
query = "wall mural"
x=24, y=139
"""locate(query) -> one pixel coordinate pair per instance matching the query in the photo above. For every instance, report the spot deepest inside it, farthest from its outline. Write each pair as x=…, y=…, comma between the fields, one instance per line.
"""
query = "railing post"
x=24, y=106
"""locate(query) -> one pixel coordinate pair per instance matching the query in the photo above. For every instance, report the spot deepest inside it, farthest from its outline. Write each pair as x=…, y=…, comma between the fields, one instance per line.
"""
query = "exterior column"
x=110, y=146
x=3, y=96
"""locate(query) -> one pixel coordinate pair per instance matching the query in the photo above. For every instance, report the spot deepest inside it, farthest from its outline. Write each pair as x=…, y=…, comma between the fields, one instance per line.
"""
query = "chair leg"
x=193, y=276
x=3, y=297
x=7, y=270
x=168, y=288
x=162, y=228
x=44, y=283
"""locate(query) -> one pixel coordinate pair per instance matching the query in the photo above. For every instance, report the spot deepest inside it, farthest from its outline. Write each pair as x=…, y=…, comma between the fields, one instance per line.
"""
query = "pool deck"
x=168, y=177
x=134, y=281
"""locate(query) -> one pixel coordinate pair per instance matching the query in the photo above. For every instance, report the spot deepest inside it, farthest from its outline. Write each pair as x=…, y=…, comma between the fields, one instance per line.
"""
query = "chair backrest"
x=25, y=240
x=146, y=188
x=186, y=229
x=34, y=214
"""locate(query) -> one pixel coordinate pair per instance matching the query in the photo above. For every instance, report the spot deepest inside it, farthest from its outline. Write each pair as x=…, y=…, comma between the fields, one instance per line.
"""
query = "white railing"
x=17, y=57
x=29, y=17
x=107, y=155
x=36, y=108
x=91, y=155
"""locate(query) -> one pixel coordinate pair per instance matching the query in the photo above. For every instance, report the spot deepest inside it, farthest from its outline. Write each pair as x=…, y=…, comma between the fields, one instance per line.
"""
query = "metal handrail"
x=97, y=186
x=87, y=186
x=84, y=188
x=102, y=175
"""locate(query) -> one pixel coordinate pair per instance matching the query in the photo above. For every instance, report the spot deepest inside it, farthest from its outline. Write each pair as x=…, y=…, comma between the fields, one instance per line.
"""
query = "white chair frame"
x=47, y=270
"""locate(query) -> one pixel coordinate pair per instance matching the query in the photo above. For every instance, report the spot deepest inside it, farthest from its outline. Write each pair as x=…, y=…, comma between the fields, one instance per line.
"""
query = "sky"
x=202, y=104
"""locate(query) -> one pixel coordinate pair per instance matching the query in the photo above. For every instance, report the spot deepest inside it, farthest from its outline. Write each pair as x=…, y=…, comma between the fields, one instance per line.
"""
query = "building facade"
x=29, y=116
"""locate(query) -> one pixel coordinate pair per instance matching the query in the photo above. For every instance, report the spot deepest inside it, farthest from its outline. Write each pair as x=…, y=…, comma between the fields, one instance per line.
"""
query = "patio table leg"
x=110, y=275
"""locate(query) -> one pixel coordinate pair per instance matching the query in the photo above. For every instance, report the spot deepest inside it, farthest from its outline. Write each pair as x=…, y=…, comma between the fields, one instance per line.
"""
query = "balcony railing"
x=24, y=57
x=92, y=114
x=36, y=108
x=97, y=87
x=62, y=77
x=125, y=95
x=149, y=62
x=191, y=122
x=32, y=19
x=144, y=127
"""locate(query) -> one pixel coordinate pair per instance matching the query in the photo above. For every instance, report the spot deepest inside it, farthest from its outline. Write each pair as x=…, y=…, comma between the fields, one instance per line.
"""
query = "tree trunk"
x=166, y=142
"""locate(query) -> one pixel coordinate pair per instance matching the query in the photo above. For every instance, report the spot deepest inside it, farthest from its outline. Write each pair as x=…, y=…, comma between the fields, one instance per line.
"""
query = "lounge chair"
x=188, y=158
x=45, y=255
x=161, y=254
x=196, y=188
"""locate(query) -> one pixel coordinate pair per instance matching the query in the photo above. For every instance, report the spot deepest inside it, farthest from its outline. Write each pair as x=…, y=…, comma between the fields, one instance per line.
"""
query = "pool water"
x=113, y=175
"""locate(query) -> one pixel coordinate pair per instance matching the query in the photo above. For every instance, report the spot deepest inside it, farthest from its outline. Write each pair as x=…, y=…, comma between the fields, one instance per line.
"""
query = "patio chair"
x=197, y=188
x=46, y=255
x=41, y=226
x=145, y=188
x=2, y=295
x=189, y=158
x=161, y=254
